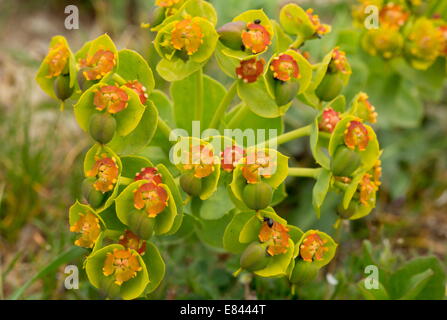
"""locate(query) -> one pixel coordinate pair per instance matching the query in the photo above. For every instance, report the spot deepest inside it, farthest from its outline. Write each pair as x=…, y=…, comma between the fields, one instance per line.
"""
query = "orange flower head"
x=57, y=59
x=257, y=165
x=285, y=67
x=110, y=98
x=276, y=234
x=443, y=30
x=187, y=35
x=393, y=15
x=150, y=174
x=313, y=248
x=368, y=112
x=356, y=135
x=151, y=198
x=256, y=37
x=426, y=40
x=377, y=173
x=106, y=172
x=329, y=119
x=166, y=3
x=367, y=190
x=320, y=29
x=339, y=61
x=230, y=157
x=131, y=241
x=250, y=70
x=122, y=264
x=200, y=159
x=98, y=65
x=139, y=89
x=88, y=226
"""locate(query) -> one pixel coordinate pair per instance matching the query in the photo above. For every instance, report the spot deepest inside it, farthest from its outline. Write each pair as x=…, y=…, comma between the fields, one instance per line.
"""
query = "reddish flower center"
x=356, y=135
x=250, y=70
x=329, y=119
x=256, y=37
x=57, y=59
x=152, y=198
x=339, y=61
x=122, y=264
x=320, y=29
x=276, y=234
x=393, y=15
x=284, y=67
x=257, y=165
x=150, y=174
x=106, y=172
x=230, y=157
x=110, y=98
x=313, y=248
x=98, y=65
x=187, y=35
x=200, y=159
x=131, y=241
x=139, y=89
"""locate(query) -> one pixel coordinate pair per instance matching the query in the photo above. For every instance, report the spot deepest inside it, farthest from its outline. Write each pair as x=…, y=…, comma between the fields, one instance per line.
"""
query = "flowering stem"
x=294, y=134
x=199, y=95
x=304, y=172
x=298, y=42
x=165, y=130
x=117, y=78
x=238, y=117
x=223, y=106
x=125, y=181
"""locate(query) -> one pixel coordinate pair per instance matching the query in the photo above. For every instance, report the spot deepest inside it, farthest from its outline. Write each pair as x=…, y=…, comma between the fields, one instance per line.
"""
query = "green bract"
x=138, y=220
x=43, y=74
x=177, y=64
x=130, y=289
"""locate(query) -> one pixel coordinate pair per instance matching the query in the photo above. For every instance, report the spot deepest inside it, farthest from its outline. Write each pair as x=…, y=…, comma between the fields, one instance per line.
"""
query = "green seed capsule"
x=254, y=257
x=345, y=161
x=330, y=87
x=190, y=184
x=62, y=87
x=257, y=196
x=285, y=91
x=102, y=127
x=231, y=34
x=141, y=224
x=90, y=194
x=349, y=212
x=156, y=16
x=303, y=272
x=83, y=83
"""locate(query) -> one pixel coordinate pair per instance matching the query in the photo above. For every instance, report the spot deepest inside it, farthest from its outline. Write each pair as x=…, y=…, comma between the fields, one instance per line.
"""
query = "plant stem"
x=238, y=117
x=304, y=172
x=120, y=80
x=294, y=134
x=199, y=93
x=124, y=180
x=164, y=129
x=223, y=106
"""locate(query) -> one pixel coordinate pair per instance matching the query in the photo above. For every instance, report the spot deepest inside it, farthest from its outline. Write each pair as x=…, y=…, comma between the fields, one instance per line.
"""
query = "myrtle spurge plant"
x=216, y=184
x=407, y=29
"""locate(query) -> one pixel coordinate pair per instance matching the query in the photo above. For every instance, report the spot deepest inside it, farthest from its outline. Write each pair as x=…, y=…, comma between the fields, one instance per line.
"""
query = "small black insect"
x=257, y=21
x=242, y=47
x=269, y=221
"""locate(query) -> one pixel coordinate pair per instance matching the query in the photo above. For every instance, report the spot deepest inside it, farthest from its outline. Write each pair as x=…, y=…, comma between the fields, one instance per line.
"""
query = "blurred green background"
x=41, y=153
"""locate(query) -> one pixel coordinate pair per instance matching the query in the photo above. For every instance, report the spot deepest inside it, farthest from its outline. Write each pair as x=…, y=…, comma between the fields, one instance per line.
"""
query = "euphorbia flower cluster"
x=131, y=195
